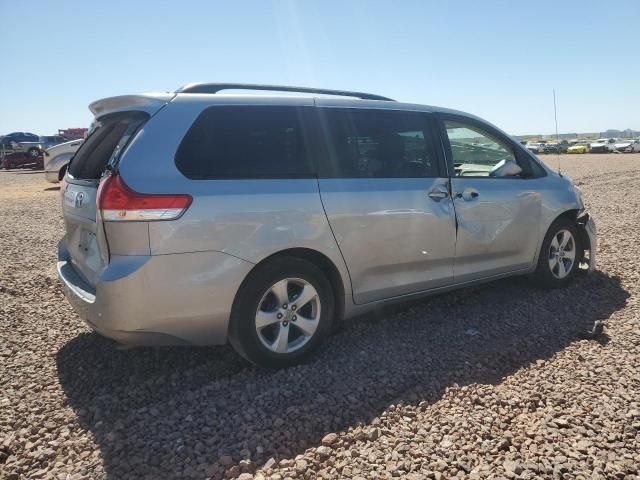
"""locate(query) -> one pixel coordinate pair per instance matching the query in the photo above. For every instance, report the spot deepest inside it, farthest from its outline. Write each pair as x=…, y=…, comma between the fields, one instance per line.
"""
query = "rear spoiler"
x=146, y=102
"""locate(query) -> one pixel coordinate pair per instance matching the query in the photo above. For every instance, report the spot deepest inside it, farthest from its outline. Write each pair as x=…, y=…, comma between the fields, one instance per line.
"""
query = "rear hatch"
x=84, y=237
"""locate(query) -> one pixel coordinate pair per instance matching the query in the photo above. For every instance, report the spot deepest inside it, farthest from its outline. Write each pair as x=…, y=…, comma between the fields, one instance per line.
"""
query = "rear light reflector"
x=117, y=202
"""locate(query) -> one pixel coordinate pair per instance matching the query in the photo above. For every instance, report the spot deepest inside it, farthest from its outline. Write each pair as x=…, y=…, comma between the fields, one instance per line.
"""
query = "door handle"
x=438, y=194
x=468, y=194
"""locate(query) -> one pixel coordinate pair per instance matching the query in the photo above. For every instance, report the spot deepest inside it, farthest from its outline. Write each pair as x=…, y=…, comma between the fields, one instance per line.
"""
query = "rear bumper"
x=158, y=300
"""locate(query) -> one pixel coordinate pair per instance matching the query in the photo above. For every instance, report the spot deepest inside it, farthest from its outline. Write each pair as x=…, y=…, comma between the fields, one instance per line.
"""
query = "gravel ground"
x=489, y=382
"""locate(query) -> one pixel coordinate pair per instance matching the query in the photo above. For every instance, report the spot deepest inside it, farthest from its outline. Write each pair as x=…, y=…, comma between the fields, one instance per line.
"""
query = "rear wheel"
x=34, y=152
x=560, y=255
x=282, y=313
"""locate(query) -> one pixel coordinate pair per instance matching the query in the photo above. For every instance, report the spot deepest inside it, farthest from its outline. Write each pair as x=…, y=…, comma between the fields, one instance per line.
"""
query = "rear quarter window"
x=246, y=142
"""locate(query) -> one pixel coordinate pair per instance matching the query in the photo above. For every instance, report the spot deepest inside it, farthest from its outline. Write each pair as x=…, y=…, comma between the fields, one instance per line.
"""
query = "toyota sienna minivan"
x=198, y=217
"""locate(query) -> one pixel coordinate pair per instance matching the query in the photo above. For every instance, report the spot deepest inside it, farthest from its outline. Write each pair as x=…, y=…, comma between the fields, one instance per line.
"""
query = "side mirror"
x=506, y=168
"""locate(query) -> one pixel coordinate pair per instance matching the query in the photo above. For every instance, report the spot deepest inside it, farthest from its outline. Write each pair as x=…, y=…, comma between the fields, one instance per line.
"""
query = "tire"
x=62, y=173
x=268, y=297
x=554, y=269
x=33, y=152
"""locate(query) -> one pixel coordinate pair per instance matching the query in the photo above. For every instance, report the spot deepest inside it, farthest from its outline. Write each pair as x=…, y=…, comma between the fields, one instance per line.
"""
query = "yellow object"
x=579, y=149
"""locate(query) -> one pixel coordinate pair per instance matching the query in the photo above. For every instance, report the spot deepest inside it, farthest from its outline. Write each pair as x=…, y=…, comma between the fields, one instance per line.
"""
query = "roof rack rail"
x=217, y=87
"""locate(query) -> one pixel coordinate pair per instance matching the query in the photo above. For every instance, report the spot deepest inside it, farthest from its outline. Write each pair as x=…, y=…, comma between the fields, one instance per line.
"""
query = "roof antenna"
x=555, y=116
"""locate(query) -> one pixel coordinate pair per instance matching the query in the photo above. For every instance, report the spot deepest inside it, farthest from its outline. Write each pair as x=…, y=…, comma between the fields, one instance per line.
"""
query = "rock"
x=323, y=452
x=415, y=476
x=374, y=434
x=301, y=466
x=511, y=466
x=269, y=464
x=233, y=471
x=329, y=439
x=247, y=466
x=504, y=444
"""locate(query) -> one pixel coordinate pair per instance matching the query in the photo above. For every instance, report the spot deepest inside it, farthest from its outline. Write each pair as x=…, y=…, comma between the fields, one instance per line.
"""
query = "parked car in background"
x=602, y=145
x=265, y=220
x=579, y=148
x=564, y=146
x=535, y=147
x=627, y=146
x=51, y=140
x=57, y=158
x=551, y=147
x=22, y=142
x=16, y=137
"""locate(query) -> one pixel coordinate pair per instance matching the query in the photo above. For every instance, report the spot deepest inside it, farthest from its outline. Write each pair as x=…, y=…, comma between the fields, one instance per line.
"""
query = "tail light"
x=117, y=202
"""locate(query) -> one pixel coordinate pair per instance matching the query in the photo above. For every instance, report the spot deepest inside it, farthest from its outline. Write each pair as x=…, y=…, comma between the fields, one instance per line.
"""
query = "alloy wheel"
x=288, y=315
x=562, y=254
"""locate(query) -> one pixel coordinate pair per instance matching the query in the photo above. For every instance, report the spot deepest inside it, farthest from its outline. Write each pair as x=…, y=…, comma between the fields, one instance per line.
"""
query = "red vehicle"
x=22, y=159
x=73, y=133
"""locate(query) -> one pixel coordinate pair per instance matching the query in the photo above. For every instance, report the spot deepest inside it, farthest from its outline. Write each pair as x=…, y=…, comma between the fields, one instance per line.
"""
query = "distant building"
x=628, y=133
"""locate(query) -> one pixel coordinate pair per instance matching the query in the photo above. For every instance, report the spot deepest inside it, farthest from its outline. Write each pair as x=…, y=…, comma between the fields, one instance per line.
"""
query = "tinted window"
x=108, y=138
x=377, y=144
x=246, y=142
x=475, y=152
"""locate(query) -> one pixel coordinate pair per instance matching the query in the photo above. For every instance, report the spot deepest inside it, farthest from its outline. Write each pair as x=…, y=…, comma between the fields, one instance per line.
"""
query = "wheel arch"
x=321, y=261
x=573, y=215
x=570, y=214
x=62, y=171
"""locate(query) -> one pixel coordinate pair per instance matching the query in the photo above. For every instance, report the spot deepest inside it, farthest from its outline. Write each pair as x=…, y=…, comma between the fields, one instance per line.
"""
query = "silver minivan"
x=198, y=217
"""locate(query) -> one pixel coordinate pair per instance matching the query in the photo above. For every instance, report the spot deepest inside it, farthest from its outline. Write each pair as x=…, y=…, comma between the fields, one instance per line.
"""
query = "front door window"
x=475, y=152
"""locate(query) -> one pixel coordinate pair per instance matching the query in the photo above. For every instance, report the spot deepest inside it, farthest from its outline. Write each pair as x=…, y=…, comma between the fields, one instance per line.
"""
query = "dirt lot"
x=488, y=382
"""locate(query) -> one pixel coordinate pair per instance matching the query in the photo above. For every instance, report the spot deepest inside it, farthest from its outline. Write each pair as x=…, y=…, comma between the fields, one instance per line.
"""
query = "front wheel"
x=560, y=255
x=281, y=313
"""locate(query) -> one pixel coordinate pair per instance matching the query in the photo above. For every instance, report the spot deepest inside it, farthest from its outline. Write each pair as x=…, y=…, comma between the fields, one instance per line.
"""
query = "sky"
x=497, y=59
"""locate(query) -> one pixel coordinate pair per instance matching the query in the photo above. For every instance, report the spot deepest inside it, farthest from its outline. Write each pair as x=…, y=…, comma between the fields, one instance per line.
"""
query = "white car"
x=57, y=158
x=535, y=147
x=627, y=146
x=602, y=145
